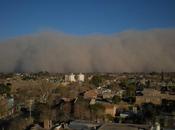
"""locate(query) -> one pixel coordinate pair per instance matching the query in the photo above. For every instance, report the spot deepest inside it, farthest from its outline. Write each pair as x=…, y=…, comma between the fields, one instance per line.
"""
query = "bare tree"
x=45, y=91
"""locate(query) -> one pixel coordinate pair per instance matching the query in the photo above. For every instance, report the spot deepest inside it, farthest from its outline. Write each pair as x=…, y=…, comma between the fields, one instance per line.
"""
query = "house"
x=120, y=93
x=47, y=124
x=149, y=96
x=91, y=94
x=107, y=95
x=143, y=99
x=82, y=125
x=110, y=109
x=81, y=77
x=58, y=128
x=61, y=126
x=115, y=126
x=66, y=78
x=35, y=127
x=6, y=106
x=153, y=96
x=92, y=101
x=70, y=78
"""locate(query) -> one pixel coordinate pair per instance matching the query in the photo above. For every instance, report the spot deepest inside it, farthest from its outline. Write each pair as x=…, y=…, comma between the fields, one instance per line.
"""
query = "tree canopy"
x=4, y=89
x=96, y=80
x=116, y=99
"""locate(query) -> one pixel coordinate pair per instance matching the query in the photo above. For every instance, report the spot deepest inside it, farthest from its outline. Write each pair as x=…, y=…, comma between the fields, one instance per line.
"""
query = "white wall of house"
x=81, y=77
x=72, y=78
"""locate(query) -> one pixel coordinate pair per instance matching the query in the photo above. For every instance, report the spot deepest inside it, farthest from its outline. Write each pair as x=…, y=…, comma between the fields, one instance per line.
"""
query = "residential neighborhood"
x=85, y=101
x=87, y=64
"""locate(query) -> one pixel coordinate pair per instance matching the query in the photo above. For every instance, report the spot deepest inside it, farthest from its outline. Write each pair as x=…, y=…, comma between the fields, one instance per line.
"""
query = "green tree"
x=109, y=117
x=130, y=91
x=3, y=107
x=4, y=89
x=19, y=123
x=149, y=111
x=42, y=111
x=97, y=110
x=81, y=109
x=96, y=80
x=116, y=99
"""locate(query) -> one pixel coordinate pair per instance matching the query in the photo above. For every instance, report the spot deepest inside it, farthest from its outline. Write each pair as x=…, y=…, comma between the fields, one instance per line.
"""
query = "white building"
x=70, y=78
x=66, y=78
x=81, y=77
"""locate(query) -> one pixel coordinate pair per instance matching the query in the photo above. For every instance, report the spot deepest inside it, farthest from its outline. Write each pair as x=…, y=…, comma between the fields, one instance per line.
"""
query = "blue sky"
x=83, y=17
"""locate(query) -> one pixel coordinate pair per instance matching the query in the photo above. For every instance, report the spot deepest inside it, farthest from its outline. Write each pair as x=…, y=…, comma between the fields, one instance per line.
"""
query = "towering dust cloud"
x=131, y=51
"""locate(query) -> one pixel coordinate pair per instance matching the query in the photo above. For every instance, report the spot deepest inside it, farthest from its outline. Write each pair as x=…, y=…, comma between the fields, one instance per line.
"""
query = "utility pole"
x=30, y=108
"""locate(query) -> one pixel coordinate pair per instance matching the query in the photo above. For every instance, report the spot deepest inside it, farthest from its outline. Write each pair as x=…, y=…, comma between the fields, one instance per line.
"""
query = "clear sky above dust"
x=83, y=17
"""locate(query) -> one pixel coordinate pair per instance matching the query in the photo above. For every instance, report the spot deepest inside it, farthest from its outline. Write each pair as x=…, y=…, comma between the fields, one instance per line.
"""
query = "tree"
x=45, y=91
x=130, y=91
x=172, y=87
x=42, y=111
x=116, y=99
x=129, y=95
x=123, y=84
x=3, y=107
x=149, y=111
x=96, y=80
x=97, y=110
x=19, y=123
x=148, y=84
x=109, y=117
x=81, y=109
x=4, y=89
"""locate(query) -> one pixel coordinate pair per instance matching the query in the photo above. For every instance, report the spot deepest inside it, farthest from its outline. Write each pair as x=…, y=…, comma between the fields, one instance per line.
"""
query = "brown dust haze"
x=129, y=51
